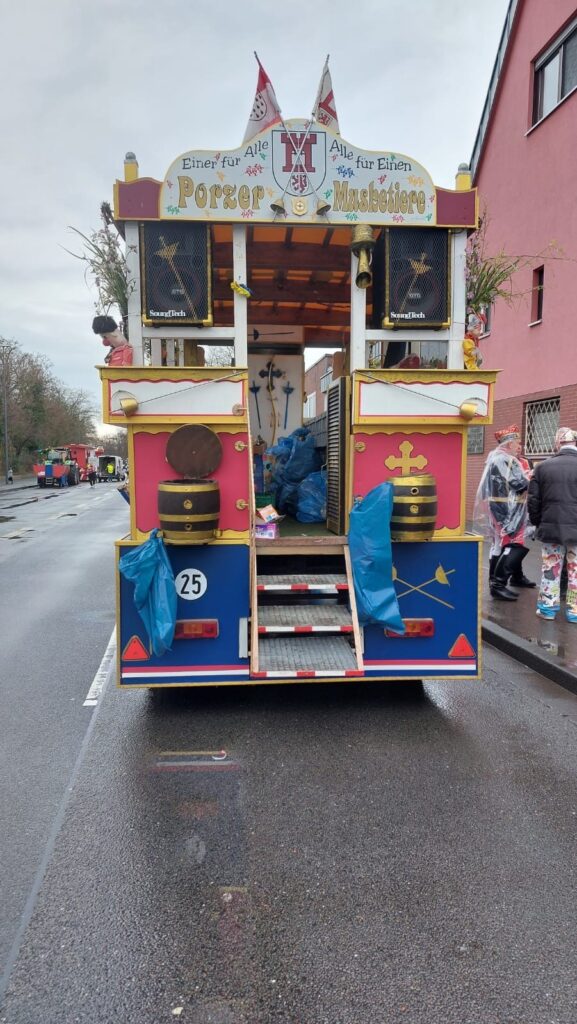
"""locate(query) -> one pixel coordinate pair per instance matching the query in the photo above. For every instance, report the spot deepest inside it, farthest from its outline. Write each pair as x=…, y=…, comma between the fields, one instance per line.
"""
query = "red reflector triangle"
x=461, y=648
x=135, y=650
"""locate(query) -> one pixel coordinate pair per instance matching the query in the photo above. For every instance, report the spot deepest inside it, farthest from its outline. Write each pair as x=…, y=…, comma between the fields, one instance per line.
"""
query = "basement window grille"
x=541, y=424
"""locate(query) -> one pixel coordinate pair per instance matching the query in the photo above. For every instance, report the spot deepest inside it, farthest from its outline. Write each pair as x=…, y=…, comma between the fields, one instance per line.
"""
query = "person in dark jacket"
x=552, y=507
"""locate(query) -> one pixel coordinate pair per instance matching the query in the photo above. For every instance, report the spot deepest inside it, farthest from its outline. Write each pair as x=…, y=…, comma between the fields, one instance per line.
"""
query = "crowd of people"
x=516, y=504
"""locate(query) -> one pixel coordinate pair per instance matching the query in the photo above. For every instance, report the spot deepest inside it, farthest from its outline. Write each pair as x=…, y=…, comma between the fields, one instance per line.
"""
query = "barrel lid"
x=194, y=450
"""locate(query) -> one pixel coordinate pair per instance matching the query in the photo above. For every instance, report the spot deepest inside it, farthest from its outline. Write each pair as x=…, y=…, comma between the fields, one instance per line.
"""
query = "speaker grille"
x=417, y=278
x=176, y=273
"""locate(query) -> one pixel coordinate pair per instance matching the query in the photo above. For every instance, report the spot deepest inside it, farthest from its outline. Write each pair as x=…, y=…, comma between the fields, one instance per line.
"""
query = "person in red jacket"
x=552, y=506
x=121, y=353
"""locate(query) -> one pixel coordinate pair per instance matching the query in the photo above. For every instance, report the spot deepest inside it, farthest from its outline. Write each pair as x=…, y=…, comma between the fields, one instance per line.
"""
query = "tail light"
x=196, y=629
x=413, y=628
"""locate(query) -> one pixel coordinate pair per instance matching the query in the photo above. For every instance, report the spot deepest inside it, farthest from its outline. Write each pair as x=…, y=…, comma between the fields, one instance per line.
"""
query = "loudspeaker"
x=417, y=278
x=176, y=273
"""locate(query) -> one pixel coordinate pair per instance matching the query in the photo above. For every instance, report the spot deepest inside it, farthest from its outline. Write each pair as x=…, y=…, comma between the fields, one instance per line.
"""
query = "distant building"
x=525, y=168
x=318, y=379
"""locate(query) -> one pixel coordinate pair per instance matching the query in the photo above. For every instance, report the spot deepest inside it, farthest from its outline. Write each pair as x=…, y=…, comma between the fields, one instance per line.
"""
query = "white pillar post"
x=459, y=303
x=240, y=302
x=358, y=357
x=132, y=240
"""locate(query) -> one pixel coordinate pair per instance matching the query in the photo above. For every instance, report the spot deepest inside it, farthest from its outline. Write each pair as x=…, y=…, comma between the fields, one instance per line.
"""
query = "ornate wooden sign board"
x=316, y=175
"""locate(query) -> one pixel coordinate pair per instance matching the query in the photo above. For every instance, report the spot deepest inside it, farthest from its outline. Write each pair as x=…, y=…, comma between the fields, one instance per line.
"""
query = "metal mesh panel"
x=417, y=277
x=541, y=423
x=176, y=273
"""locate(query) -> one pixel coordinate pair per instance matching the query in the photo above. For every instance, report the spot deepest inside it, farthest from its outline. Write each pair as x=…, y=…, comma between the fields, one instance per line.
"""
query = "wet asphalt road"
x=56, y=617
x=295, y=855
x=314, y=855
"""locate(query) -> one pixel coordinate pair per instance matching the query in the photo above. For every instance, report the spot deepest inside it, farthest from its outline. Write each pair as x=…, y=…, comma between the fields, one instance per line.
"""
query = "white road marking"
x=101, y=676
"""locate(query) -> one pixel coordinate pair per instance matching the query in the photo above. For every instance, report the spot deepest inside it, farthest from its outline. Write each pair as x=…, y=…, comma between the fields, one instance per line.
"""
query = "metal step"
x=304, y=618
x=328, y=582
x=306, y=657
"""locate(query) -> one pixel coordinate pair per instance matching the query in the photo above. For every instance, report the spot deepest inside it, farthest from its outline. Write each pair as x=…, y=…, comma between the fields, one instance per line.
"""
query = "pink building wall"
x=528, y=179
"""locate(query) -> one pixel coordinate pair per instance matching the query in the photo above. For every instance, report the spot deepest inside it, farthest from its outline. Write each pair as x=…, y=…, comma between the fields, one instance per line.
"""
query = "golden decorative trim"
x=189, y=538
x=408, y=521
x=426, y=480
x=404, y=537
x=188, y=519
x=186, y=489
x=422, y=499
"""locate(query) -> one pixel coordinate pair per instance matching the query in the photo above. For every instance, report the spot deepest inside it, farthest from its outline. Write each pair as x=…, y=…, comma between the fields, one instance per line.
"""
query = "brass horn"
x=467, y=410
x=322, y=207
x=277, y=205
x=362, y=245
x=129, y=405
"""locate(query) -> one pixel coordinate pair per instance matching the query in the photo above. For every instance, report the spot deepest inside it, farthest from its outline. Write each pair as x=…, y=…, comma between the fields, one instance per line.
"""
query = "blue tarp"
x=372, y=559
x=312, y=498
x=289, y=462
x=148, y=567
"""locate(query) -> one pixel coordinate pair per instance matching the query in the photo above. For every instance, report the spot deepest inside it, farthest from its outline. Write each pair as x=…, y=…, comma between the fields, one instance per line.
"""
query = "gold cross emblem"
x=405, y=462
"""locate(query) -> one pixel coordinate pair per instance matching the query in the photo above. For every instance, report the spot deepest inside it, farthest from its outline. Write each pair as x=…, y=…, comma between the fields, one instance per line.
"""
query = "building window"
x=310, y=406
x=537, y=295
x=555, y=74
x=326, y=380
x=541, y=425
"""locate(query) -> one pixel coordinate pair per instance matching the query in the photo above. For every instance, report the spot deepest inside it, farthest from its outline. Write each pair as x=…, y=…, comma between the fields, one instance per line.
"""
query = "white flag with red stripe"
x=325, y=111
x=265, y=109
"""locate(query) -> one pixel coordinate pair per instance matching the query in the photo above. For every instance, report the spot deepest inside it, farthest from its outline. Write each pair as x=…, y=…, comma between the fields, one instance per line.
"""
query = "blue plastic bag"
x=305, y=457
x=372, y=559
x=148, y=567
x=312, y=498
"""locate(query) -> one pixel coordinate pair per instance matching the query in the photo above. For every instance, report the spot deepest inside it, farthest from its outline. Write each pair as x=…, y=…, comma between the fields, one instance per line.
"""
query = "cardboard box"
x=268, y=514
x=266, y=530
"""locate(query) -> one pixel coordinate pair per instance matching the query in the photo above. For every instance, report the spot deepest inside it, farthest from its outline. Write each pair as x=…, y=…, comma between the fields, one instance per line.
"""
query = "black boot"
x=515, y=567
x=498, y=585
x=492, y=563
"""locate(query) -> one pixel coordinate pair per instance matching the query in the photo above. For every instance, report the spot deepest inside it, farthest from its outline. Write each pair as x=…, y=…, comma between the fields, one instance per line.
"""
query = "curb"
x=515, y=647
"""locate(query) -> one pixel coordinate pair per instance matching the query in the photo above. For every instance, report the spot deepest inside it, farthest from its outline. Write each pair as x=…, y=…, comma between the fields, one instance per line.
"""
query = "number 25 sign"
x=191, y=584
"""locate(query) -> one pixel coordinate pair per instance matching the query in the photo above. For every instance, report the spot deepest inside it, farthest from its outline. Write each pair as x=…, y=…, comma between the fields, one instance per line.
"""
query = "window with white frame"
x=541, y=425
x=310, y=406
x=326, y=380
x=555, y=73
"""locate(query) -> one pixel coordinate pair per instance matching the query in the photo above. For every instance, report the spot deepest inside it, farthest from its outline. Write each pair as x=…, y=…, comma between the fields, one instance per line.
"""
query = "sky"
x=83, y=82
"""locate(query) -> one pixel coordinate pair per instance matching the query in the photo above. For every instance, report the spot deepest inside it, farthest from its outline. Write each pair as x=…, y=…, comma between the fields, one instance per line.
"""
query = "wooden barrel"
x=414, y=507
x=188, y=510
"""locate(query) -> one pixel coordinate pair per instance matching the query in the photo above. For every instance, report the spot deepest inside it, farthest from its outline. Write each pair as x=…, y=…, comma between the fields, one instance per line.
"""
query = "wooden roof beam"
x=274, y=255
x=286, y=290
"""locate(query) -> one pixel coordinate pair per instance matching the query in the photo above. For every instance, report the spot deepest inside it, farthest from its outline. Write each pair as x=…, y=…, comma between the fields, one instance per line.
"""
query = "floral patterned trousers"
x=552, y=556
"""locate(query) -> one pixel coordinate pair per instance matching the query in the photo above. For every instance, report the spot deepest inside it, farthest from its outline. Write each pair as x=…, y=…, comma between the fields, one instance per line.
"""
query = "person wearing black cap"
x=121, y=352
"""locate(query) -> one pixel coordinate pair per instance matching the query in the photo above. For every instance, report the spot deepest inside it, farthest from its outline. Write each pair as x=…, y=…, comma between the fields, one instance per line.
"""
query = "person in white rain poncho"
x=501, y=513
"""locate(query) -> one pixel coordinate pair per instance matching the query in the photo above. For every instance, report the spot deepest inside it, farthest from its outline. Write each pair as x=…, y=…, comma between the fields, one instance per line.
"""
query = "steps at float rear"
x=304, y=615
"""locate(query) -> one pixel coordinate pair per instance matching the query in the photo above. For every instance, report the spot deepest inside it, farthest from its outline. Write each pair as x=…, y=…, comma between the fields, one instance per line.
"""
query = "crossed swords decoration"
x=272, y=373
x=441, y=576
